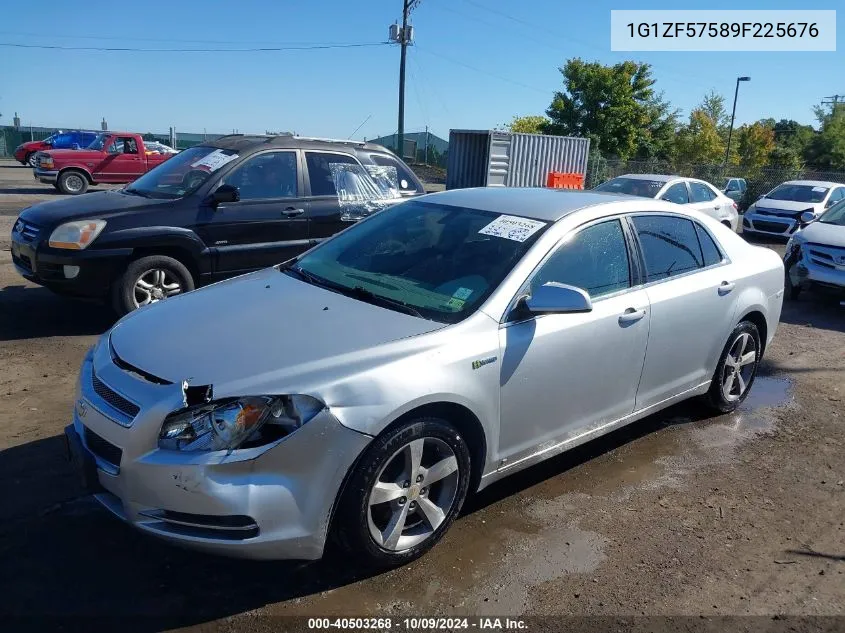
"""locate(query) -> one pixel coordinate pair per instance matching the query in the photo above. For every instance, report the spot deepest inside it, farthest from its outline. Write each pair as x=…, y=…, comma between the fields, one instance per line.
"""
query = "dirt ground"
x=679, y=514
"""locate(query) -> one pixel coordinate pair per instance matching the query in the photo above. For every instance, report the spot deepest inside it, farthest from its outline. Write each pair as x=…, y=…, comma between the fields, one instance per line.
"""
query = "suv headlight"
x=76, y=235
x=237, y=422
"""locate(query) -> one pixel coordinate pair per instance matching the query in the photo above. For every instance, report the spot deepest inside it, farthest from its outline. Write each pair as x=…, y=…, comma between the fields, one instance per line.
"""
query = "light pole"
x=733, y=114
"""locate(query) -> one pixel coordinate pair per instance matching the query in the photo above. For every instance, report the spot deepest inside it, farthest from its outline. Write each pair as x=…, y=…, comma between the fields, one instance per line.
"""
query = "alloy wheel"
x=740, y=364
x=412, y=494
x=155, y=285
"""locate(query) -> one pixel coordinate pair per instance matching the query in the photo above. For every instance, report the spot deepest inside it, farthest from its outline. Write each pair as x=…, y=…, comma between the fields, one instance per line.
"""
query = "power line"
x=195, y=50
x=172, y=40
x=484, y=72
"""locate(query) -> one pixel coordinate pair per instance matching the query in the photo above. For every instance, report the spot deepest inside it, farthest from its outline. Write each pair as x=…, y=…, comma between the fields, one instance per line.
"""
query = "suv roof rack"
x=319, y=138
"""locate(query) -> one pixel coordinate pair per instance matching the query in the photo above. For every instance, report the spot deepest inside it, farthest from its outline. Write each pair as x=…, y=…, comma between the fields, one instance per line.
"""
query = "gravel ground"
x=679, y=514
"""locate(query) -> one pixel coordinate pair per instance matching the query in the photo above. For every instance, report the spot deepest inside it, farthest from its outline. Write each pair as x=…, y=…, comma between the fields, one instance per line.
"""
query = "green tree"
x=827, y=149
x=792, y=135
x=699, y=141
x=608, y=104
x=531, y=124
x=713, y=105
x=657, y=139
x=755, y=143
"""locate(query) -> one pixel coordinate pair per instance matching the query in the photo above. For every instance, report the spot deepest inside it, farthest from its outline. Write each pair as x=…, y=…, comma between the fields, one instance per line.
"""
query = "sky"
x=475, y=64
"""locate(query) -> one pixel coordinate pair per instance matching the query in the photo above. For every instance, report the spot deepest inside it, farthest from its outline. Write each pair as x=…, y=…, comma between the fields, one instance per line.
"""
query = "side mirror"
x=807, y=217
x=555, y=298
x=226, y=193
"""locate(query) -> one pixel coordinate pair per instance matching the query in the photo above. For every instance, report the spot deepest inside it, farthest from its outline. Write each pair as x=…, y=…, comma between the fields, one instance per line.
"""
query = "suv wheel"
x=73, y=182
x=404, y=493
x=149, y=280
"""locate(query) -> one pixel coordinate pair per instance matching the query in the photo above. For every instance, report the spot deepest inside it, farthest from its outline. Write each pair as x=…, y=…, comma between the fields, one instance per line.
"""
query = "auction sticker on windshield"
x=512, y=228
x=215, y=160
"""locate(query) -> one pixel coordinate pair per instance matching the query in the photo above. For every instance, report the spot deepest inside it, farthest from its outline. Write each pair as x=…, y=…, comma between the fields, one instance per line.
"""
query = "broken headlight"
x=237, y=422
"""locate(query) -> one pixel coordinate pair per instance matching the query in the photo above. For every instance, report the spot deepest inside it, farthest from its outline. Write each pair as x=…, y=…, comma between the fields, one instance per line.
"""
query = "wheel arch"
x=756, y=316
x=82, y=170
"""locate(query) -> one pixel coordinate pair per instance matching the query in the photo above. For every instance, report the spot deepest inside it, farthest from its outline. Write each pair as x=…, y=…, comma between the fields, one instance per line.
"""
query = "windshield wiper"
x=362, y=293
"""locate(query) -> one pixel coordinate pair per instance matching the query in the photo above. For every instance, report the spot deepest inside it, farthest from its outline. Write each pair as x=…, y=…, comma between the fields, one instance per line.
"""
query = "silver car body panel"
x=269, y=333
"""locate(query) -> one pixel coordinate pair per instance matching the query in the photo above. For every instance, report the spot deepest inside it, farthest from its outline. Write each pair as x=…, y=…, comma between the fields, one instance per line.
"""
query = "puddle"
x=768, y=392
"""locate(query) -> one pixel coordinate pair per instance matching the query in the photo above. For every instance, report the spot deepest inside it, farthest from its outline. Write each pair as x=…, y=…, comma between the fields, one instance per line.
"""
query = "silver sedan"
x=356, y=395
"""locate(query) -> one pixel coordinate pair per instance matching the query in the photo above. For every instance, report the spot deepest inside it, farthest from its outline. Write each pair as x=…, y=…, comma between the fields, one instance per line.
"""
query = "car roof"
x=538, y=203
x=813, y=183
x=657, y=177
x=247, y=142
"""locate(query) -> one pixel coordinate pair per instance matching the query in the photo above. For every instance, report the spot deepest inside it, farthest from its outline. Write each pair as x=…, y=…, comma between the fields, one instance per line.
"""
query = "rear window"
x=320, y=172
x=632, y=186
x=711, y=252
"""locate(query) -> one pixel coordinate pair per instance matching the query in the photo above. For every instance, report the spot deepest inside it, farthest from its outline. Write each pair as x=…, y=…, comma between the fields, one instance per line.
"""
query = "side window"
x=742, y=185
x=62, y=140
x=677, y=193
x=406, y=180
x=320, y=173
x=733, y=185
x=264, y=176
x=701, y=192
x=711, y=252
x=837, y=195
x=123, y=145
x=595, y=259
x=670, y=245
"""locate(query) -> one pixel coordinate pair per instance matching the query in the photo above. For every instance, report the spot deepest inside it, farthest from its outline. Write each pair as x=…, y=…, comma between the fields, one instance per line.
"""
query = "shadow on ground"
x=27, y=312
x=815, y=310
x=64, y=556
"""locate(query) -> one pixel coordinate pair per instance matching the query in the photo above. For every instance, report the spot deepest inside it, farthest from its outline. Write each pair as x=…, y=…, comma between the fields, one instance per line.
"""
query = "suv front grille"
x=114, y=399
x=102, y=448
x=27, y=231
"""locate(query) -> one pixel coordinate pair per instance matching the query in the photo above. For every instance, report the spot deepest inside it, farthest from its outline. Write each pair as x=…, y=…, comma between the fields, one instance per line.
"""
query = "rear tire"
x=72, y=182
x=426, y=497
x=149, y=280
x=736, y=369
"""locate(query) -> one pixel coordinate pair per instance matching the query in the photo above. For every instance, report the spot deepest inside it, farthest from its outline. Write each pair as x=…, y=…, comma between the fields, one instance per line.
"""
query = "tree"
x=755, y=143
x=657, y=139
x=699, y=141
x=792, y=135
x=532, y=124
x=608, y=104
x=827, y=149
x=713, y=105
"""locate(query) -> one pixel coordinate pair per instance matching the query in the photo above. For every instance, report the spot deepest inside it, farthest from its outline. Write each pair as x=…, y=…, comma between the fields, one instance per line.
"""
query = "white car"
x=697, y=194
x=159, y=148
x=779, y=211
x=815, y=254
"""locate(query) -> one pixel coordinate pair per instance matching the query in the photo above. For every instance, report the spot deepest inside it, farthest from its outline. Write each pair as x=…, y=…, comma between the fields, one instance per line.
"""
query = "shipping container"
x=488, y=158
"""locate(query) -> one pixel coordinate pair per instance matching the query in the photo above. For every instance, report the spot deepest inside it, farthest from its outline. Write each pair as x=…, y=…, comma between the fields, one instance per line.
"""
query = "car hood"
x=826, y=234
x=101, y=204
x=76, y=154
x=787, y=205
x=265, y=327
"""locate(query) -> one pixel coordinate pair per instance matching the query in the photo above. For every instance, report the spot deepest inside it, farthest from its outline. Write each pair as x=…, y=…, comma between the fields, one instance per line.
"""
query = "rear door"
x=324, y=206
x=123, y=161
x=269, y=224
x=692, y=293
x=704, y=199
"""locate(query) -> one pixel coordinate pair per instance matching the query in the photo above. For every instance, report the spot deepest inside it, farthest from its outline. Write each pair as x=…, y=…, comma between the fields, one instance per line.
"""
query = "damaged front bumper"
x=269, y=502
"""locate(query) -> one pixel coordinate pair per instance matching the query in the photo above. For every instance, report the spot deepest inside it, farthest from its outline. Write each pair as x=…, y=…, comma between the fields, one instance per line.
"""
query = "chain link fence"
x=760, y=180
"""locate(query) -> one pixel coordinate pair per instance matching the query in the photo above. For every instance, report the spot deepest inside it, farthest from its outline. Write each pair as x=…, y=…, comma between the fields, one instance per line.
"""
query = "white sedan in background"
x=779, y=211
x=698, y=194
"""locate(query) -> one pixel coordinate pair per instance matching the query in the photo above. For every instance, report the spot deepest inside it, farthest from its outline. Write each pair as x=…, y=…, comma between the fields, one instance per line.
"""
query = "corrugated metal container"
x=482, y=158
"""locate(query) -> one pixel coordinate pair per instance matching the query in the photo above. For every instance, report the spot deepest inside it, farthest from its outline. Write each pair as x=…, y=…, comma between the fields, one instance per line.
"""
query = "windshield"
x=436, y=261
x=632, y=186
x=98, y=142
x=834, y=215
x=797, y=193
x=183, y=174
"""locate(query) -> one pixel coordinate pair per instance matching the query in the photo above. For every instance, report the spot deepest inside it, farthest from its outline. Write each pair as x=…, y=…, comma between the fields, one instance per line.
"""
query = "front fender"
x=165, y=238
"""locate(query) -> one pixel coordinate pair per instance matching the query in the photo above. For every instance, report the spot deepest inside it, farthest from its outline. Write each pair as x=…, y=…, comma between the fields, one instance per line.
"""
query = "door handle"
x=631, y=315
x=292, y=212
x=725, y=287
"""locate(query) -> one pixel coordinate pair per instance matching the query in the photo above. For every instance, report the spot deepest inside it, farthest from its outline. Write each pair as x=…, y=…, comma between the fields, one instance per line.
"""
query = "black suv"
x=223, y=208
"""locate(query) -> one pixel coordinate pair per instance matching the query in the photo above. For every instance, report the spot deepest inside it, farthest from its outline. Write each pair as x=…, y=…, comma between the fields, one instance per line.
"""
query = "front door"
x=565, y=374
x=268, y=225
x=122, y=162
x=692, y=296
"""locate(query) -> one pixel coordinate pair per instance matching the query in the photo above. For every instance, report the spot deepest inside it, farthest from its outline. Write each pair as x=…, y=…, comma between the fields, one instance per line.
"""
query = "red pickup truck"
x=113, y=157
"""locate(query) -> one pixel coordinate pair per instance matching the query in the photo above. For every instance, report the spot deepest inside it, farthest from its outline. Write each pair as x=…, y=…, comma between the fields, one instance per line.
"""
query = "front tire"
x=405, y=492
x=149, y=280
x=736, y=369
x=73, y=182
x=30, y=160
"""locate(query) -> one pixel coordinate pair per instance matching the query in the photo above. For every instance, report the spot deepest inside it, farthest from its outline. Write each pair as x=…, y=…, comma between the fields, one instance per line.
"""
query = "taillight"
x=736, y=208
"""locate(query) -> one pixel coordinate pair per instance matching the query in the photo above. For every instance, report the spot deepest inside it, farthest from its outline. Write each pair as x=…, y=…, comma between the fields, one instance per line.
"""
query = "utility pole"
x=834, y=101
x=404, y=37
x=733, y=114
